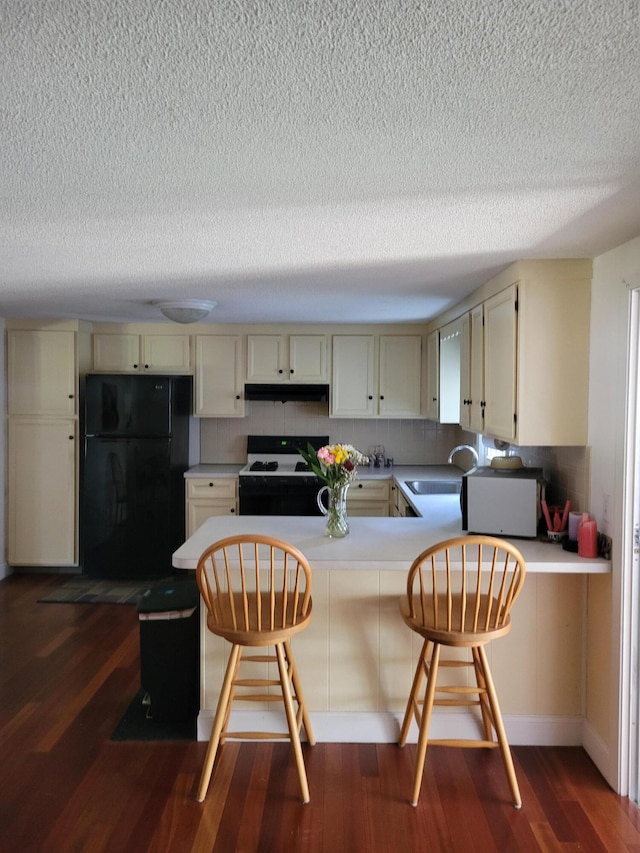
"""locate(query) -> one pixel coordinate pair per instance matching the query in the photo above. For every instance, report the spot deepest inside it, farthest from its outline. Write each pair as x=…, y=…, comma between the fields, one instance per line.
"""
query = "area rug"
x=82, y=590
x=138, y=724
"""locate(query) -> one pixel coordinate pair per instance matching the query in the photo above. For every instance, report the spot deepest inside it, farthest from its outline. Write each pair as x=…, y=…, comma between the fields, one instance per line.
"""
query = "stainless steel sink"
x=434, y=487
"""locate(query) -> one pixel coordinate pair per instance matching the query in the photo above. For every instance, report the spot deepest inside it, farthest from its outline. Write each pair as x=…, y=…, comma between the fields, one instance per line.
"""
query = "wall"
x=613, y=273
x=4, y=568
x=408, y=441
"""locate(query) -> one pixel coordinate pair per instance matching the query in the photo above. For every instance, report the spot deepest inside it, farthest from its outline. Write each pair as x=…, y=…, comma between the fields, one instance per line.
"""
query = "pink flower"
x=324, y=455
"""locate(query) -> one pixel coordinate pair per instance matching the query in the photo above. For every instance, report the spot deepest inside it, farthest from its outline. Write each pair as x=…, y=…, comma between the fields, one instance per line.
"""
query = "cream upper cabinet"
x=476, y=369
x=219, y=389
x=130, y=353
x=41, y=372
x=400, y=375
x=534, y=361
x=465, y=370
x=291, y=358
x=500, y=364
x=472, y=370
x=433, y=375
x=354, y=379
x=376, y=376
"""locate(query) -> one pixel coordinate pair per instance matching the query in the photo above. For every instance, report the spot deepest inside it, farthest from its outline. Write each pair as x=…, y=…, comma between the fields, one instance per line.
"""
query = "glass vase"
x=337, y=524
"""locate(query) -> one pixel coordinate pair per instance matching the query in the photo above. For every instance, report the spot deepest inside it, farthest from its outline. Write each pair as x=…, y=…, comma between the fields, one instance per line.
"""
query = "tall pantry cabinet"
x=44, y=366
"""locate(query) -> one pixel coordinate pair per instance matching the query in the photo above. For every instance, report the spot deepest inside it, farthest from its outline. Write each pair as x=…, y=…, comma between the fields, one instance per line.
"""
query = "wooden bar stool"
x=459, y=594
x=257, y=591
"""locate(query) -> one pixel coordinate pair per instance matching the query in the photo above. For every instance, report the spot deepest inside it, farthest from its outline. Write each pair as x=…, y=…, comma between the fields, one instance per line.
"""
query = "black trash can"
x=170, y=650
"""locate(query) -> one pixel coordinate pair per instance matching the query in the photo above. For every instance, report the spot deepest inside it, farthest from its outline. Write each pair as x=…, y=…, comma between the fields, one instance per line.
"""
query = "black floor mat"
x=137, y=724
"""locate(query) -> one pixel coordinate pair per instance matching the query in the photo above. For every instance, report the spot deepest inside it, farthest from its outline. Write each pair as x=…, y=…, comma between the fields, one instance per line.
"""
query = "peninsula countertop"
x=377, y=543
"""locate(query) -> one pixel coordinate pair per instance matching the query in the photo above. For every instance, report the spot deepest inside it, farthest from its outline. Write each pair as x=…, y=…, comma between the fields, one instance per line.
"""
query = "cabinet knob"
x=280, y=371
x=232, y=510
x=135, y=366
x=291, y=371
x=237, y=396
x=71, y=396
x=433, y=399
x=210, y=485
x=371, y=396
x=71, y=437
x=382, y=396
x=146, y=367
x=359, y=485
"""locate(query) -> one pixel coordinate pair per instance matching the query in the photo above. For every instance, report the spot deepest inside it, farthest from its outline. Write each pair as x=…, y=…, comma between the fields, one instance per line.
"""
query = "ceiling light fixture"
x=186, y=310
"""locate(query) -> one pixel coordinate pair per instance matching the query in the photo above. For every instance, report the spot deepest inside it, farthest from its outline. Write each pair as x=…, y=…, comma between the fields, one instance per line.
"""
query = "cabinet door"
x=42, y=490
x=116, y=353
x=449, y=374
x=433, y=375
x=41, y=373
x=476, y=370
x=266, y=358
x=308, y=358
x=218, y=382
x=199, y=511
x=400, y=376
x=465, y=371
x=166, y=353
x=353, y=385
x=500, y=348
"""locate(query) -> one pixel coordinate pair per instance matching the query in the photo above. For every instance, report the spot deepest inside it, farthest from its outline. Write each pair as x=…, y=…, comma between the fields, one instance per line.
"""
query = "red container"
x=587, y=537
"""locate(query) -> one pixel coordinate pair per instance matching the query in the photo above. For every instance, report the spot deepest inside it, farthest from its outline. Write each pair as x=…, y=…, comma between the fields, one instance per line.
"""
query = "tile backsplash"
x=419, y=442
x=407, y=441
x=566, y=470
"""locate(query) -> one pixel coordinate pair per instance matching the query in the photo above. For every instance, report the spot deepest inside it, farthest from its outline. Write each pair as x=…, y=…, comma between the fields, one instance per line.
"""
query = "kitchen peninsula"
x=357, y=658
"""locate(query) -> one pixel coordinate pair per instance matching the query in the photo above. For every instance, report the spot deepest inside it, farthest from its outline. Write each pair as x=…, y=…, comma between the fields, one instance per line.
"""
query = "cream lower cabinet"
x=208, y=497
x=368, y=497
x=42, y=492
x=400, y=506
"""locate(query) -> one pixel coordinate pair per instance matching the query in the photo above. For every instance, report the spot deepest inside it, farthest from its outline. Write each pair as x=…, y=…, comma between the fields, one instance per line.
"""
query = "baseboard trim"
x=598, y=751
x=355, y=727
x=5, y=571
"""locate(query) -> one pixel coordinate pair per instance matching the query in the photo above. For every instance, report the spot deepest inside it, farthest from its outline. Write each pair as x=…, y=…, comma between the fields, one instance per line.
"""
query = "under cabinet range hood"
x=285, y=392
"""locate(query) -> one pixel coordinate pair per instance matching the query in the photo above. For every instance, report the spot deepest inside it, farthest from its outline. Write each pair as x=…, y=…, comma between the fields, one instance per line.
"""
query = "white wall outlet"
x=606, y=508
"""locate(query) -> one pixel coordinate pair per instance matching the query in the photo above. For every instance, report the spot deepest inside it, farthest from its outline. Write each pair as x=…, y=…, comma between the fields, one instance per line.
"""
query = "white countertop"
x=376, y=543
x=225, y=469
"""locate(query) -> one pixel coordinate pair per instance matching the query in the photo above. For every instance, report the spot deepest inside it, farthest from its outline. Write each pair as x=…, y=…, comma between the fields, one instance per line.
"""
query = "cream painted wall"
x=4, y=569
x=613, y=272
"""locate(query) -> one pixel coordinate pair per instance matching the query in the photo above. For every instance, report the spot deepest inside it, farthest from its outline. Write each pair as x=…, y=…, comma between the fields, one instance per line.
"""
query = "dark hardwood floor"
x=67, y=674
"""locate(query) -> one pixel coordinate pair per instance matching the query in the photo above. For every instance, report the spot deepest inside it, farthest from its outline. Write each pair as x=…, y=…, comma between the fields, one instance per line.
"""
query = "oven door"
x=278, y=495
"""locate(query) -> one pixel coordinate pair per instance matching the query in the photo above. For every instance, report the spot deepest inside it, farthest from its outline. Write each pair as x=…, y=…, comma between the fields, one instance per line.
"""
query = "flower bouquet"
x=337, y=466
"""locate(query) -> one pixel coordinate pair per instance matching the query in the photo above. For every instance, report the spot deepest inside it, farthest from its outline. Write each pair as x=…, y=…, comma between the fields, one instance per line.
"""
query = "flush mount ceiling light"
x=186, y=310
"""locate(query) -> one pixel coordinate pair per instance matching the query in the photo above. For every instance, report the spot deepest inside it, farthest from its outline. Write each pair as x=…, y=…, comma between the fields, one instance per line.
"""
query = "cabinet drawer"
x=369, y=490
x=369, y=508
x=221, y=487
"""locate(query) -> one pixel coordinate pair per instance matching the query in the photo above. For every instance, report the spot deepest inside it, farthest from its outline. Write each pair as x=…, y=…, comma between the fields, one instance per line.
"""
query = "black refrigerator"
x=136, y=450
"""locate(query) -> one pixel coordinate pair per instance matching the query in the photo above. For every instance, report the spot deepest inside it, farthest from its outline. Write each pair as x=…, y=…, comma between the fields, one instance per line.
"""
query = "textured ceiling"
x=301, y=160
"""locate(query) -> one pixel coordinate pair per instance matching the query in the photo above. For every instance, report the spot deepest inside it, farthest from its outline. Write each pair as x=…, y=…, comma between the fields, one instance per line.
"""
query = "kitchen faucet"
x=468, y=447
